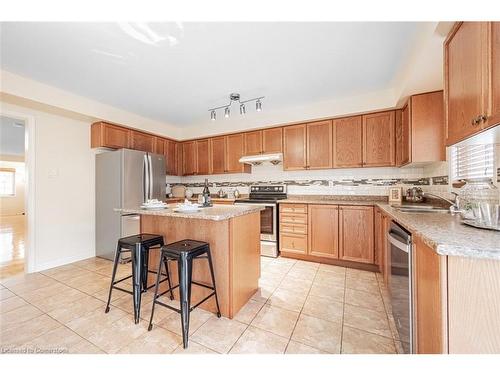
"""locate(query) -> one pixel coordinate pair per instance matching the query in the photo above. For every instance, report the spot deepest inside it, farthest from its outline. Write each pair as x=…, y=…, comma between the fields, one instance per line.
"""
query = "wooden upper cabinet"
x=189, y=158
x=323, y=223
x=218, y=155
x=103, y=134
x=160, y=144
x=466, y=66
x=403, y=146
x=171, y=156
x=494, y=78
x=202, y=157
x=294, y=147
x=356, y=236
x=379, y=139
x=347, y=142
x=319, y=145
x=142, y=141
x=253, y=143
x=177, y=171
x=272, y=140
x=234, y=151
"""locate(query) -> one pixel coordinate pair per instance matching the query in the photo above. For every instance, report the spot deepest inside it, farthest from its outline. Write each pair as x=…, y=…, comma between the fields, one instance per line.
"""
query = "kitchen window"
x=472, y=161
x=7, y=182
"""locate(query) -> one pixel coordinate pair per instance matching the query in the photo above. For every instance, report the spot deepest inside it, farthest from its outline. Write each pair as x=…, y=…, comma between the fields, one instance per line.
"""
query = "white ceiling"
x=11, y=136
x=174, y=72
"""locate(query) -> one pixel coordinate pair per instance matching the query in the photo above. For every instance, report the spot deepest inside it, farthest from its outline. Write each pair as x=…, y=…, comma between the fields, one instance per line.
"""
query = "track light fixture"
x=235, y=97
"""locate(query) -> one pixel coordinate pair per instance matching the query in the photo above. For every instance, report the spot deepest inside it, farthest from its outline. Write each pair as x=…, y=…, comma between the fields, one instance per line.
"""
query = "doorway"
x=13, y=196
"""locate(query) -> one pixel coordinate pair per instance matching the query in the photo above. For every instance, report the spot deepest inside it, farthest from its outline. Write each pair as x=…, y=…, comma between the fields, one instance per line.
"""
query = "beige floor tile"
x=277, y=269
x=5, y=293
x=318, y=333
x=288, y=299
x=219, y=334
x=257, y=341
x=295, y=347
x=11, y=303
x=26, y=281
x=123, y=270
x=282, y=260
x=196, y=319
x=263, y=293
x=328, y=293
x=62, y=299
x=355, y=341
x=58, y=341
x=366, y=300
x=276, y=320
x=103, y=294
x=329, y=268
x=161, y=312
x=367, y=320
x=360, y=274
x=92, y=263
x=302, y=264
x=22, y=314
x=296, y=284
x=157, y=341
x=90, y=284
x=97, y=320
x=363, y=285
x=324, y=309
x=249, y=311
x=302, y=273
x=27, y=330
x=48, y=291
x=67, y=312
x=270, y=279
x=194, y=348
x=86, y=347
x=126, y=303
x=330, y=279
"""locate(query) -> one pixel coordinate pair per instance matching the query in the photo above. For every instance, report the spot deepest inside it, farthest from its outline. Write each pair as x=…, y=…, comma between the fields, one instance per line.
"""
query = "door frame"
x=29, y=197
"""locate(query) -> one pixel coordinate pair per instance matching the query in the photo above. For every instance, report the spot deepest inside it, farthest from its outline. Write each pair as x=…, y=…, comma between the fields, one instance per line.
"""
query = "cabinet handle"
x=475, y=121
x=483, y=118
x=293, y=244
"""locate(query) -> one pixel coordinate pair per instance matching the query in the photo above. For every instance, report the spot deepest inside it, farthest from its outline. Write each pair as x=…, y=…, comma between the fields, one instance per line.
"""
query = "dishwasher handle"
x=396, y=240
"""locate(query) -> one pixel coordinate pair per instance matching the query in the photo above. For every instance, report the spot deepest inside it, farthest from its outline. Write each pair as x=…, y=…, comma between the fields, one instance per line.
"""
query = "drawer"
x=293, y=243
x=293, y=218
x=293, y=208
x=295, y=229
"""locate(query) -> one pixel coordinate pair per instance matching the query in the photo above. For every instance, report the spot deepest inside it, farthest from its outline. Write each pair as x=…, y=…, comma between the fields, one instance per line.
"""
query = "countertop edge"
x=192, y=216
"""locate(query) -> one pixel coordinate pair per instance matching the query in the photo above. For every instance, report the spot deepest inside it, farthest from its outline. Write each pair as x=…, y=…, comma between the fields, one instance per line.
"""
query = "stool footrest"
x=119, y=281
x=203, y=285
x=203, y=300
x=123, y=290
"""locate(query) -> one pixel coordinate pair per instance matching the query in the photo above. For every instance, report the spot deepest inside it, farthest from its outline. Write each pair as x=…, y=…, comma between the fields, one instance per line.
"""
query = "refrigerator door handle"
x=145, y=181
x=151, y=179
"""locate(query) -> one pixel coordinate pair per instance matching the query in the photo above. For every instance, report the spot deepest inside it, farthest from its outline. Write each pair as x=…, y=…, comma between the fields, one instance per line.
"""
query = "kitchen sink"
x=421, y=208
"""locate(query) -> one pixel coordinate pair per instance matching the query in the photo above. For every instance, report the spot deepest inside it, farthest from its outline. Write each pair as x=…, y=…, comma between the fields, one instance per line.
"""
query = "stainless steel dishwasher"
x=400, y=284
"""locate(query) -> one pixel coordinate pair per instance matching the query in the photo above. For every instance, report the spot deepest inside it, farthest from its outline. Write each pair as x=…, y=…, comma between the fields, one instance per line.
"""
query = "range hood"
x=263, y=158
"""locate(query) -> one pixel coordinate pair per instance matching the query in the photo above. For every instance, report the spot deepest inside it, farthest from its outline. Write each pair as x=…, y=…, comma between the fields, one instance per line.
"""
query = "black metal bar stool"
x=139, y=246
x=184, y=252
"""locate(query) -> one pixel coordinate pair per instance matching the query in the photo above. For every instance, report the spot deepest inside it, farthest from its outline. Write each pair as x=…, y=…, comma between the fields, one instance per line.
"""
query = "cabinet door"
x=356, y=234
x=160, y=145
x=142, y=142
x=180, y=159
x=253, y=143
x=323, y=230
x=294, y=145
x=379, y=140
x=171, y=157
x=115, y=136
x=218, y=157
x=347, y=142
x=494, y=76
x=189, y=158
x=379, y=235
x=464, y=74
x=234, y=151
x=403, y=142
x=430, y=299
x=319, y=145
x=202, y=157
x=272, y=140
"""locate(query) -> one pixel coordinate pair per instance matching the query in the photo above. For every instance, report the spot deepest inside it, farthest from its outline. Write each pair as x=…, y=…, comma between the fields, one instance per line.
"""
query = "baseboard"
x=63, y=261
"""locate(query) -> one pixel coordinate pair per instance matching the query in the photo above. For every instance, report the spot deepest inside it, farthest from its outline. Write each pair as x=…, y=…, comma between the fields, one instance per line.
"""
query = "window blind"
x=472, y=161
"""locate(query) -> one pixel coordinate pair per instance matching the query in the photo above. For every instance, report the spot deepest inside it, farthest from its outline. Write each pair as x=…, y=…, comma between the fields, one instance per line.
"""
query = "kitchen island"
x=233, y=233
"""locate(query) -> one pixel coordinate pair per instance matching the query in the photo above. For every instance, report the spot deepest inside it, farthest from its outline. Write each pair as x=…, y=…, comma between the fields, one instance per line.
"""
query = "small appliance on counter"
x=415, y=195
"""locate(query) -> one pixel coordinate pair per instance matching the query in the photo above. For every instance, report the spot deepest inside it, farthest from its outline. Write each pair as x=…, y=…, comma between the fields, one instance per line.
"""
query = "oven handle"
x=398, y=241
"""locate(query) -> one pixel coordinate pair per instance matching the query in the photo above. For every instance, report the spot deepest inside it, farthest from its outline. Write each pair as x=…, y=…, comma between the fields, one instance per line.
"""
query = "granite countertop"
x=446, y=235
x=351, y=200
x=216, y=212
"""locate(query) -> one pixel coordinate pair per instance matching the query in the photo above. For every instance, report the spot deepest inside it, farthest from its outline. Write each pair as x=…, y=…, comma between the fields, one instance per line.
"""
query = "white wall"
x=14, y=205
x=64, y=188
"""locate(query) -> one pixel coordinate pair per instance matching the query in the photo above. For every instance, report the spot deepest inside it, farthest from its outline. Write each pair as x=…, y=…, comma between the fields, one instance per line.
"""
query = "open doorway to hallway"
x=12, y=196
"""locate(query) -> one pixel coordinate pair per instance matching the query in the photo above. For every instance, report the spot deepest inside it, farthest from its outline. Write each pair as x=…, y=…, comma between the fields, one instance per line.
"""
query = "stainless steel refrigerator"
x=124, y=179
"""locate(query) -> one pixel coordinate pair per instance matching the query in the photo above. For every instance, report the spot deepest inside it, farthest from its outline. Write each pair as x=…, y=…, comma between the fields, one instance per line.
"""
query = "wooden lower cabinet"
x=382, y=222
x=323, y=229
x=356, y=231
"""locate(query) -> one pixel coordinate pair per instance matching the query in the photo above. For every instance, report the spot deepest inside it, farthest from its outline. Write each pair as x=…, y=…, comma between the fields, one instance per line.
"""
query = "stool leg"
x=209, y=256
x=165, y=261
x=185, y=266
x=145, y=268
x=136, y=276
x=115, y=266
x=158, y=276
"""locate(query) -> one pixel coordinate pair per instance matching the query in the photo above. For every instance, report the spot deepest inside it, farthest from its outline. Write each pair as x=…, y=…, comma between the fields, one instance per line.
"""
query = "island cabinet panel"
x=218, y=155
x=430, y=300
x=356, y=230
x=234, y=151
x=347, y=142
x=379, y=139
x=294, y=147
x=202, y=157
x=189, y=158
x=272, y=140
x=466, y=71
x=142, y=141
x=323, y=230
x=111, y=136
x=253, y=143
x=319, y=145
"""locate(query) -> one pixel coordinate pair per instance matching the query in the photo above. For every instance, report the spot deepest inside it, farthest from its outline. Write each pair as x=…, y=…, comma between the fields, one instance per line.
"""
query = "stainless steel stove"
x=267, y=196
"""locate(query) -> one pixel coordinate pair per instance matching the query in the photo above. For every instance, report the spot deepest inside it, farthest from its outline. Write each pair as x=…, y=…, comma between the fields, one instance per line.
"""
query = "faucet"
x=454, y=205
